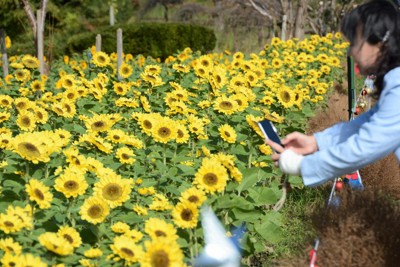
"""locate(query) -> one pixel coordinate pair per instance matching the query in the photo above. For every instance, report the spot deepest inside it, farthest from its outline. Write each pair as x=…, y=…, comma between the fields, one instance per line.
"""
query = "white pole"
x=98, y=42
x=40, y=40
x=112, y=15
x=3, y=52
x=119, y=51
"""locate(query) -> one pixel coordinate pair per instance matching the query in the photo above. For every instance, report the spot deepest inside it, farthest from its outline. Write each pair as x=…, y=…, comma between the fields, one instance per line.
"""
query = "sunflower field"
x=101, y=171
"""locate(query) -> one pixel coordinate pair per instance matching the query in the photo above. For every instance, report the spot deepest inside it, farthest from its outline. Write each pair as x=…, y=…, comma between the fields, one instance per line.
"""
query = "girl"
x=373, y=30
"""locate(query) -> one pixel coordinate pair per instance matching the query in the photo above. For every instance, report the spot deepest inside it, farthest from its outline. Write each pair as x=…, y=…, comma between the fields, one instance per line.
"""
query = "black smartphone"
x=269, y=131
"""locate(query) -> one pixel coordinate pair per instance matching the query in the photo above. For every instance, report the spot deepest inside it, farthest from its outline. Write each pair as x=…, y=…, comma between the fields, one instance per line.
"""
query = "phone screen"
x=269, y=131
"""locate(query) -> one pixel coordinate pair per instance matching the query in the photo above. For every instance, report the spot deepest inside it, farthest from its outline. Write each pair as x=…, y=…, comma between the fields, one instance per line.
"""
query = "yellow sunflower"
x=116, y=136
x=99, y=123
x=125, y=70
x=31, y=148
x=10, y=223
x=164, y=130
x=285, y=97
x=28, y=259
x=39, y=193
x=4, y=116
x=126, y=249
x=70, y=235
x=22, y=75
x=120, y=227
x=121, y=88
x=182, y=136
x=6, y=101
x=37, y=86
x=56, y=244
x=8, y=245
x=41, y=115
x=211, y=176
x=162, y=253
x=71, y=183
x=158, y=228
x=101, y=59
x=225, y=105
x=125, y=155
x=227, y=133
x=26, y=121
x=93, y=253
x=185, y=214
x=114, y=190
x=30, y=62
x=94, y=210
x=193, y=195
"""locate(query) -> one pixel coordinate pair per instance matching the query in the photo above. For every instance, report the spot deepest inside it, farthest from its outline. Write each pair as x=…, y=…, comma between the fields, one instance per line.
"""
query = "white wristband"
x=290, y=162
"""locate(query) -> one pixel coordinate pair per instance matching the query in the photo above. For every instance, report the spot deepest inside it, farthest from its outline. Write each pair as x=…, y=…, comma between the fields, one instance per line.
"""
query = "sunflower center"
x=5, y=102
x=39, y=194
x=226, y=105
x=70, y=96
x=112, y=191
x=68, y=83
x=26, y=121
x=193, y=199
x=71, y=185
x=164, y=132
x=180, y=134
x=29, y=148
x=210, y=179
x=187, y=215
x=285, y=96
x=95, y=211
x=116, y=137
x=160, y=259
x=125, y=156
x=128, y=252
x=98, y=124
x=8, y=224
x=160, y=233
x=68, y=238
x=21, y=105
x=39, y=115
x=10, y=249
x=101, y=59
x=227, y=134
x=218, y=78
x=147, y=124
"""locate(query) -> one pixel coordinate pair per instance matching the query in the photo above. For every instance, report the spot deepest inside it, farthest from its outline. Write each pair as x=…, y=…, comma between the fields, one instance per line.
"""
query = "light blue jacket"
x=349, y=146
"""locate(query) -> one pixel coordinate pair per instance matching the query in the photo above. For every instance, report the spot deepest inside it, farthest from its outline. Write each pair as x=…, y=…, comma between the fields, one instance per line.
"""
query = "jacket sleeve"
x=368, y=139
x=341, y=131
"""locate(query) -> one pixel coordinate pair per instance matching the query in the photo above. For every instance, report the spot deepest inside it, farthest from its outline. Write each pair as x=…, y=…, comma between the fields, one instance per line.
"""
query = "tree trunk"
x=300, y=20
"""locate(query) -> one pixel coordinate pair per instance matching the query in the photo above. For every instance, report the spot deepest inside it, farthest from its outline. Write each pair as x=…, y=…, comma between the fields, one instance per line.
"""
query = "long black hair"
x=379, y=22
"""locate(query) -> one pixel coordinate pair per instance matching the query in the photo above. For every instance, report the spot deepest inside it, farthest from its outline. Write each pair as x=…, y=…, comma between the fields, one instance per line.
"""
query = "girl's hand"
x=300, y=143
x=277, y=148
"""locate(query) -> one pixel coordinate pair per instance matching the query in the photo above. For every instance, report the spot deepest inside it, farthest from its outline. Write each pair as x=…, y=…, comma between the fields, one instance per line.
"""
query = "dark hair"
x=379, y=22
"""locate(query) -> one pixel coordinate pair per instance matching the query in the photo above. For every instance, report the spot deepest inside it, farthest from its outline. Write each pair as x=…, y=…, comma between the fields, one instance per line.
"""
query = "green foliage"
x=158, y=40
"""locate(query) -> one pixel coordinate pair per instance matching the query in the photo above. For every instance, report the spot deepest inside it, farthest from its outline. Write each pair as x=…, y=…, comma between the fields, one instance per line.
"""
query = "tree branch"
x=261, y=10
x=31, y=16
x=43, y=7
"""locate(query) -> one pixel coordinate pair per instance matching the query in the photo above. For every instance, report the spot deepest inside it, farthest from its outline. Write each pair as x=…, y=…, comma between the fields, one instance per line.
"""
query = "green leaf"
x=250, y=216
x=13, y=185
x=250, y=178
x=239, y=150
x=225, y=202
x=269, y=228
x=263, y=195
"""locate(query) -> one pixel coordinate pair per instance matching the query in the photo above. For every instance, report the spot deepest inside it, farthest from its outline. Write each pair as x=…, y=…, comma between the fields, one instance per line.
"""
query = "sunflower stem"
x=191, y=247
